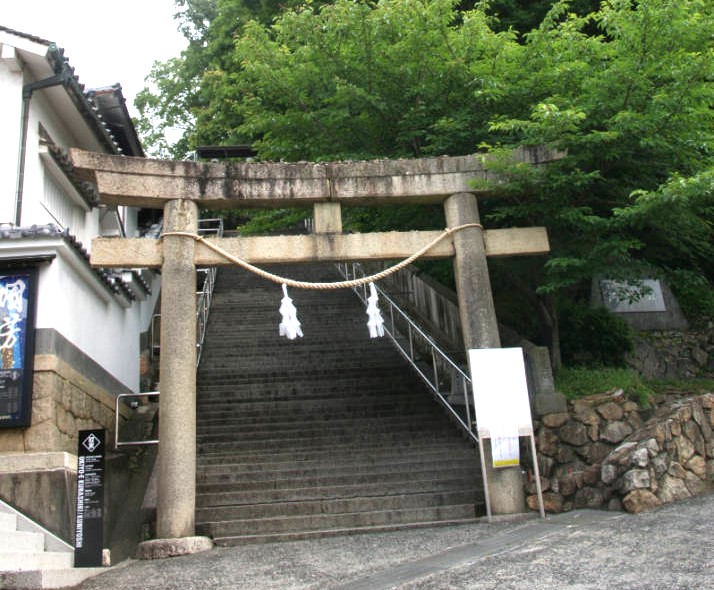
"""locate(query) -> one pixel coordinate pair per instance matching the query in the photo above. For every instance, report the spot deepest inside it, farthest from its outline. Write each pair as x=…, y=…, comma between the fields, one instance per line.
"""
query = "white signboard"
x=500, y=392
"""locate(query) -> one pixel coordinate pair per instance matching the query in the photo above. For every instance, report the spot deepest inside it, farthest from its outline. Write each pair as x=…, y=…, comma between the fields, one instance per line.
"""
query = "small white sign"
x=500, y=392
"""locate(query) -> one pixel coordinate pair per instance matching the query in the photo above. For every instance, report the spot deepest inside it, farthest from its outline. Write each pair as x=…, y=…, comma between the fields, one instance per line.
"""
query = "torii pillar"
x=176, y=503
x=480, y=329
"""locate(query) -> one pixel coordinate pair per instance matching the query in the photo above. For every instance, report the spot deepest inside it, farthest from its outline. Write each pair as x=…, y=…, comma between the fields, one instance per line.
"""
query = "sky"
x=105, y=42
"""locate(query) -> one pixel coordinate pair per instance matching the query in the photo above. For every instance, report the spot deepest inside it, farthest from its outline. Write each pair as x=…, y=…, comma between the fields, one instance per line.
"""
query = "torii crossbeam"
x=180, y=188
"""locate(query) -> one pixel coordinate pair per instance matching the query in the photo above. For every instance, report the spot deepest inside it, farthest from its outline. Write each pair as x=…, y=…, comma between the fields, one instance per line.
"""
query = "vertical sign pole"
x=176, y=502
x=90, y=499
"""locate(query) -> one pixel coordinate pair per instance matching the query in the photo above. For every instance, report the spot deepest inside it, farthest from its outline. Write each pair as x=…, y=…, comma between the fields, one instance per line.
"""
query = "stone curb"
x=163, y=548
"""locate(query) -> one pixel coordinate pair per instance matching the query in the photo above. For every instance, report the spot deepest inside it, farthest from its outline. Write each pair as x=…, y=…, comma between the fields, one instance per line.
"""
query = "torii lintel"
x=149, y=183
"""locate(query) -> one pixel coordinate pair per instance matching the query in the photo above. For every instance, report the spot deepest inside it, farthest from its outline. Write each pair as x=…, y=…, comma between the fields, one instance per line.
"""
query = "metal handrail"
x=204, y=296
x=210, y=226
x=431, y=363
x=127, y=443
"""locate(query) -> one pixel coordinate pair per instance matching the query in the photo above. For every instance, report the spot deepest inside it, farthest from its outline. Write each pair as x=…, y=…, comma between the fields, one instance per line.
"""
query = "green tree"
x=625, y=91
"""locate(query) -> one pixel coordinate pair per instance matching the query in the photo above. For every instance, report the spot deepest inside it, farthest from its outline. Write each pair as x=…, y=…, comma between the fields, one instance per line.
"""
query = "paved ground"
x=670, y=548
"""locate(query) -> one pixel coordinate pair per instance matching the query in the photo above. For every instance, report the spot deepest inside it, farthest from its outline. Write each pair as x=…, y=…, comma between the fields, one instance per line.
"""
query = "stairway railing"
x=204, y=297
x=446, y=379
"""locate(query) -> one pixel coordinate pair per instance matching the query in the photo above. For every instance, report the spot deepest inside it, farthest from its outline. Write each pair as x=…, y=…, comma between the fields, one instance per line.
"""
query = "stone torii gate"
x=181, y=187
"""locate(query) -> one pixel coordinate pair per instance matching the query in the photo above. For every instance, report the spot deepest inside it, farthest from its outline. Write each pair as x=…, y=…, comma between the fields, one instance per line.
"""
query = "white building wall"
x=10, y=111
x=71, y=298
x=72, y=302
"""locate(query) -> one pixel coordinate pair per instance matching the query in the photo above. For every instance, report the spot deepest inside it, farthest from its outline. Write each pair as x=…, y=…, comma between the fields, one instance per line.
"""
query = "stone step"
x=327, y=457
x=328, y=406
x=330, y=480
x=335, y=506
x=231, y=474
x=8, y=522
x=329, y=434
x=275, y=441
x=309, y=423
x=335, y=521
x=368, y=452
x=238, y=540
x=47, y=560
x=361, y=430
x=22, y=542
x=55, y=578
x=350, y=490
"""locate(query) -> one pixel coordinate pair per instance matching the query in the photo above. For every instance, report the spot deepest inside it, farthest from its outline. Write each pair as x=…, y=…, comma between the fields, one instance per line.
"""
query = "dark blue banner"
x=17, y=294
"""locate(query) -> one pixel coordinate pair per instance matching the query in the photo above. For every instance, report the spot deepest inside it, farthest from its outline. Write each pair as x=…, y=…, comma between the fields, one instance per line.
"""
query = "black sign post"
x=90, y=499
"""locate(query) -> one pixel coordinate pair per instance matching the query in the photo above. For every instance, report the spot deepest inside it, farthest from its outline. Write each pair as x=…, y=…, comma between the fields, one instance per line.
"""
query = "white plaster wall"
x=87, y=315
x=10, y=109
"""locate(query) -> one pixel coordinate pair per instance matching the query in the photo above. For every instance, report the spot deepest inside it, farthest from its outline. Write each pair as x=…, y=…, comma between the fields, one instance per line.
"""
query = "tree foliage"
x=623, y=88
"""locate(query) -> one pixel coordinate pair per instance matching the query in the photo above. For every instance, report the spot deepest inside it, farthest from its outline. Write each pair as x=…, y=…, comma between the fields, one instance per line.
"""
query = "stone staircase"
x=32, y=557
x=329, y=434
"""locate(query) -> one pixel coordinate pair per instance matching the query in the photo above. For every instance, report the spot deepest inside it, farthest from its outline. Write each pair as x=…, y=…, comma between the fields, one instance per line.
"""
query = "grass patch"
x=576, y=382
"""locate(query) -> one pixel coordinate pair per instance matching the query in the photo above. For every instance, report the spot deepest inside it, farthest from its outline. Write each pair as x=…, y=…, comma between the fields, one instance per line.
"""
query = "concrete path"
x=669, y=548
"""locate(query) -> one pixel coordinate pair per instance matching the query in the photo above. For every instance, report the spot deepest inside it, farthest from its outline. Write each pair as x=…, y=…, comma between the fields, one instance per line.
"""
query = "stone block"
x=634, y=420
x=593, y=432
x=640, y=457
x=621, y=455
x=573, y=433
x=615, y=432
x=684, y=448
x=694, y=484
x=651, y=445
x=12, y=441
x=595, y=452
x=43, y=437
x=555, y=420
x=610, y=411
x=531, y=487
x=676, y=470
x=583, y=412
x=640, y=500
x=697, y=465
x=552, y=502
x=608, y=473
x=547, y=441
x=692, y=432
x=630, y=406
x=567, y=485
x=589, y=498
x=672, y=489
x=591, y=474
x=565, y=454
x=635, y=479
x=660, y=464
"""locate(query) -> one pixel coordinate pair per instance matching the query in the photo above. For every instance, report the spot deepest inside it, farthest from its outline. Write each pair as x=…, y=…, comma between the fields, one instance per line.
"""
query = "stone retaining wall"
x=63, y=402
x=669, y=354
x=607, y=452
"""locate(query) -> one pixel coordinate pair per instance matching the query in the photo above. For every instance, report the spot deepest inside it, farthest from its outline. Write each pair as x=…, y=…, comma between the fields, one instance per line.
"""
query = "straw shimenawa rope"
x=323, y=286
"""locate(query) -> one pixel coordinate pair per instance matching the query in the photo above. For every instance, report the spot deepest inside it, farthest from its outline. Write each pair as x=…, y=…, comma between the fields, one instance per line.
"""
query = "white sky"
x=105, y=42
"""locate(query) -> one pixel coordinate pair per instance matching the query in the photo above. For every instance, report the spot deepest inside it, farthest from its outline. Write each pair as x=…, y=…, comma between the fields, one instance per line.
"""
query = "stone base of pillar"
x=163, y=548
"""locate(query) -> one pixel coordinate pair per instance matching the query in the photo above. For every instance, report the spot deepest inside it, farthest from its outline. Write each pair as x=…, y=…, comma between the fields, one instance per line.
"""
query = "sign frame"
x=17, y=344
x=89, y=524
x=501, y=403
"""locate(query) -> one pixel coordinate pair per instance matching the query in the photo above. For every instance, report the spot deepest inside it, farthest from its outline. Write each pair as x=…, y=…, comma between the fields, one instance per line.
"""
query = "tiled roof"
x=108, y=117
x=111, y=280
